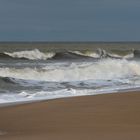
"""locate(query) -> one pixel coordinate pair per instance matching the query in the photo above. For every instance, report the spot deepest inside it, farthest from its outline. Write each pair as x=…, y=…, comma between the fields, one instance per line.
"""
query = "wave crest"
x=84, y=54
x=32, y=55
x=96, y=54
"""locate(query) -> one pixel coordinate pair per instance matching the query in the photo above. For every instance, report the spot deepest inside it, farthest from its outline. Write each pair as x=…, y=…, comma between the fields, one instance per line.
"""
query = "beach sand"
x=100, y=117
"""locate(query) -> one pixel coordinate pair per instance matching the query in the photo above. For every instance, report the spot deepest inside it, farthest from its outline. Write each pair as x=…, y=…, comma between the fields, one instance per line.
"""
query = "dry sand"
x=100, y=117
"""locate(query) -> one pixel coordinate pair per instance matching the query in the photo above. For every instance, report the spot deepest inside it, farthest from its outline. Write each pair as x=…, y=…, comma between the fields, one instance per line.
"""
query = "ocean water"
x=31, y=72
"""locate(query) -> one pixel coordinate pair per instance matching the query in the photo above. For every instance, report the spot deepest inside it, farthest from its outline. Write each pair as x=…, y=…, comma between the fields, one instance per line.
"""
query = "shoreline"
x=104, y=116
x=122, y=91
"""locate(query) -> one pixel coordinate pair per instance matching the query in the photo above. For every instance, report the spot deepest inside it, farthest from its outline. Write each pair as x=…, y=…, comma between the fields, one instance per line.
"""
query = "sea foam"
x=104, y=69
x=31, y=54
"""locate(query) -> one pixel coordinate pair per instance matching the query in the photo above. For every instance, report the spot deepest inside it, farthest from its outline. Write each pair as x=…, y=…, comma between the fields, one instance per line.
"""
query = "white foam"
x=3, y=101
x=88, y=53
x=130, y=55
x=44, y=95
x=31, y=54
x=25, y=96
x=104, y=69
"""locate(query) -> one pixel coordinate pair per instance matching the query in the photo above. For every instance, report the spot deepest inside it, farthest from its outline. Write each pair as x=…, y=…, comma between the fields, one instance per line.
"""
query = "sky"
x=69, y=20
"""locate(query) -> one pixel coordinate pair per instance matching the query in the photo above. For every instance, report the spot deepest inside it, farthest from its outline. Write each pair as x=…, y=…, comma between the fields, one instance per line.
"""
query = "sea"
x=35, y=71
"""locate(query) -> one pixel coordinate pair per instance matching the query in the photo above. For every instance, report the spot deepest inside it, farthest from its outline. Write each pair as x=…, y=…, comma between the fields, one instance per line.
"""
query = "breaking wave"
x=102, y=69
x=32, y=54
x=38, y=55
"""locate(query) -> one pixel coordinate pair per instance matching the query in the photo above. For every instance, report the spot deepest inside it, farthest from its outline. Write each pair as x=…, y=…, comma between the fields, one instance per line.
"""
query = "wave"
x=128, y=56
x=31, y=54
x=93, y=54
x=102, y=69
x=7, y=80
x=96, y=54
x=37, y=55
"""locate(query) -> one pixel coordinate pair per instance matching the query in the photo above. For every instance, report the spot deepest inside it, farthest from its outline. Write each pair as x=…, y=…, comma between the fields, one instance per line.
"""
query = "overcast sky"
x=69, y=20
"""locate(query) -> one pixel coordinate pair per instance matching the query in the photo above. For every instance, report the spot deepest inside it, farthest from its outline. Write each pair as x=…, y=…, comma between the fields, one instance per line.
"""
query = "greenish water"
x=64, y=46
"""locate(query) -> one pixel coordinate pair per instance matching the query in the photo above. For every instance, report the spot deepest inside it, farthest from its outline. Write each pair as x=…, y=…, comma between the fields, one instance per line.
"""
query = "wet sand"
x=100, y=117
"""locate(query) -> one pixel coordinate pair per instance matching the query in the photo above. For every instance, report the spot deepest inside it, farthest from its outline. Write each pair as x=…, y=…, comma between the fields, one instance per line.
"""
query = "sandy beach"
x=100, y=117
